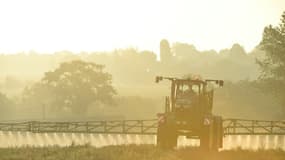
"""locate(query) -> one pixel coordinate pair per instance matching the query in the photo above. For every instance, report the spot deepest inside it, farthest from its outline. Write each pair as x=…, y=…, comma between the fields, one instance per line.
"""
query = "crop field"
x=133, y=152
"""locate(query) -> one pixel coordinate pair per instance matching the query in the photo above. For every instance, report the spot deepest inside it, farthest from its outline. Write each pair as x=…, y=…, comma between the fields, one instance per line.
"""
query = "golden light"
x=75, y=25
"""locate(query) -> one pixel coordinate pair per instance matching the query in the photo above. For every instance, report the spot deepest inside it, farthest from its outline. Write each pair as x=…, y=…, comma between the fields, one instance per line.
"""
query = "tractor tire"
x=217, y=133
x=211, y=138
x=205, y=140
x=166, y=137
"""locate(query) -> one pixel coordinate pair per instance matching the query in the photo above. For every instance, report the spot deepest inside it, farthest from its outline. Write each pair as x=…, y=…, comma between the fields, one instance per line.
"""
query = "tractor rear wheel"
x=217, y=132
x=211, y=137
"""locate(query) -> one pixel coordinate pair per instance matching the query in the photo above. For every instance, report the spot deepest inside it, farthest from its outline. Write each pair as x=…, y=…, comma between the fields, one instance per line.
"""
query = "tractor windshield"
x=186, y=94
x=188, y=89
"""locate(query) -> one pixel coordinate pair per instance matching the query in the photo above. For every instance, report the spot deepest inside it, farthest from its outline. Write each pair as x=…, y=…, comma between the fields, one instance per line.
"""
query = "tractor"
x=188, y=112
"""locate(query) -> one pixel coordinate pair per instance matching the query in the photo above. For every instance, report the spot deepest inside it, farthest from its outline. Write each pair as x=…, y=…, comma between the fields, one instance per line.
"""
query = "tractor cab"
x=191, y=96
x=188, y=112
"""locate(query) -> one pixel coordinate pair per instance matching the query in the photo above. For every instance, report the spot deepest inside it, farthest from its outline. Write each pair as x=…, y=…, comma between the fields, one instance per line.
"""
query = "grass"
x=133, y=152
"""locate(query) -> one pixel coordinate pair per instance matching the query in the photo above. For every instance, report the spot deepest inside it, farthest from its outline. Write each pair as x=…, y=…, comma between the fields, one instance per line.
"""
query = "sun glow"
x=75, y=25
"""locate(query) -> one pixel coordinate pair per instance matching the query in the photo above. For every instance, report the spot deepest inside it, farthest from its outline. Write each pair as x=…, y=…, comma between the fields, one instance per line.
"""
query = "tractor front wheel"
x=166, y=136
x=205, y=139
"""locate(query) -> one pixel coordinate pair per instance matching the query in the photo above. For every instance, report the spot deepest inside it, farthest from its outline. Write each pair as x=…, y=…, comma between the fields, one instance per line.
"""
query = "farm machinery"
x=188, y=112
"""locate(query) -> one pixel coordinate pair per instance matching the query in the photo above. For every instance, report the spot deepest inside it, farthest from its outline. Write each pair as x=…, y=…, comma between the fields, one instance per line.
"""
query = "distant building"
x=165, y=51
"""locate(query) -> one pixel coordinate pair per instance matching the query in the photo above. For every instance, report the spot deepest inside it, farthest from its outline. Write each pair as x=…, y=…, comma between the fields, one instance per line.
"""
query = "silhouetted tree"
x=237, y=50
x=273, y=64
x=4, y=101
x=184, y=51
x=74, y=86
x=5, y=105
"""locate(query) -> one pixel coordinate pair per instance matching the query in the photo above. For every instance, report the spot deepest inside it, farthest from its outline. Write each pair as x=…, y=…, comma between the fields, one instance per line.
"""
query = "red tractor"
x=188, y=112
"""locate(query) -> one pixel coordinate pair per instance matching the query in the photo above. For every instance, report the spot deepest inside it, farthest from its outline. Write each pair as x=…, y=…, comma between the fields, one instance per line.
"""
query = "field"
x=133, y=152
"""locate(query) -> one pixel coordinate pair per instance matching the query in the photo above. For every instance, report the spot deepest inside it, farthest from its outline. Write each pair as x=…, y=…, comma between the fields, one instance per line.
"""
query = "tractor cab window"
x=209, y=87
x=195, y=89
x=186, y=91
x=186, y=95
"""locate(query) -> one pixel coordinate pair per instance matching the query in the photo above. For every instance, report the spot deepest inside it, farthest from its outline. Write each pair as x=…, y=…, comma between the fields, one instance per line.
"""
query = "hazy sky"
x=50, y=25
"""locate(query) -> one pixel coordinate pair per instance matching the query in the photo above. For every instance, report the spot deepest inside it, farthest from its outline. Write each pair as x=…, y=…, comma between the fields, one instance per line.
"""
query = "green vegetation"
x=273, y=63
x=72, y=87
x=131, y=152
x=133, y=73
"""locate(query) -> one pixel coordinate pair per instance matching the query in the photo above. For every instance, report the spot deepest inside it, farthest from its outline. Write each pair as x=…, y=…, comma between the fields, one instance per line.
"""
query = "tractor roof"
x=189, y=80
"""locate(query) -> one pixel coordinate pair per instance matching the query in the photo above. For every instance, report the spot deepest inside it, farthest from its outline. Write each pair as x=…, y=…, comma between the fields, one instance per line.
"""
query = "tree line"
x=74, y=81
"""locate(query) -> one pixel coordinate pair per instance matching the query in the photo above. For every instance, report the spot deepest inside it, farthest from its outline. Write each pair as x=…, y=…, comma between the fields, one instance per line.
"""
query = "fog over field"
x=133, y=72
x=161, y=80
x=127, y=44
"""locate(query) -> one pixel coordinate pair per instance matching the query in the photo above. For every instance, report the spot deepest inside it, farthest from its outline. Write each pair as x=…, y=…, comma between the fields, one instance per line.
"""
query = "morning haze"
x=164, y=79
x=53, y=25
x=133, y=73
x=37, y=38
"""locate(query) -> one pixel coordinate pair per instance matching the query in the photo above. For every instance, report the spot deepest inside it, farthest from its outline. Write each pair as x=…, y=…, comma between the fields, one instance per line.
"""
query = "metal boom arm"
x=144, y=127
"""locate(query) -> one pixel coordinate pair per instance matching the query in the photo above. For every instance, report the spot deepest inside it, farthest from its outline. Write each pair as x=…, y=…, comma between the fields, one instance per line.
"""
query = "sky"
x=104, y=25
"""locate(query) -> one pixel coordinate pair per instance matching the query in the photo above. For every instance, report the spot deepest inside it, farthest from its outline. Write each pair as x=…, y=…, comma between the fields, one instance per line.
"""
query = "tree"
x=272, y=65
x=237, y=51
x=185, y=52
x=6, y=105
x=74, y=86
x=4, y=101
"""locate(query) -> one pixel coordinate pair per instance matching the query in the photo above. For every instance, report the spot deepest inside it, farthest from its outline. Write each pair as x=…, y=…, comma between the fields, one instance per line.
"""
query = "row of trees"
x=177, y=59
x=74, y=85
